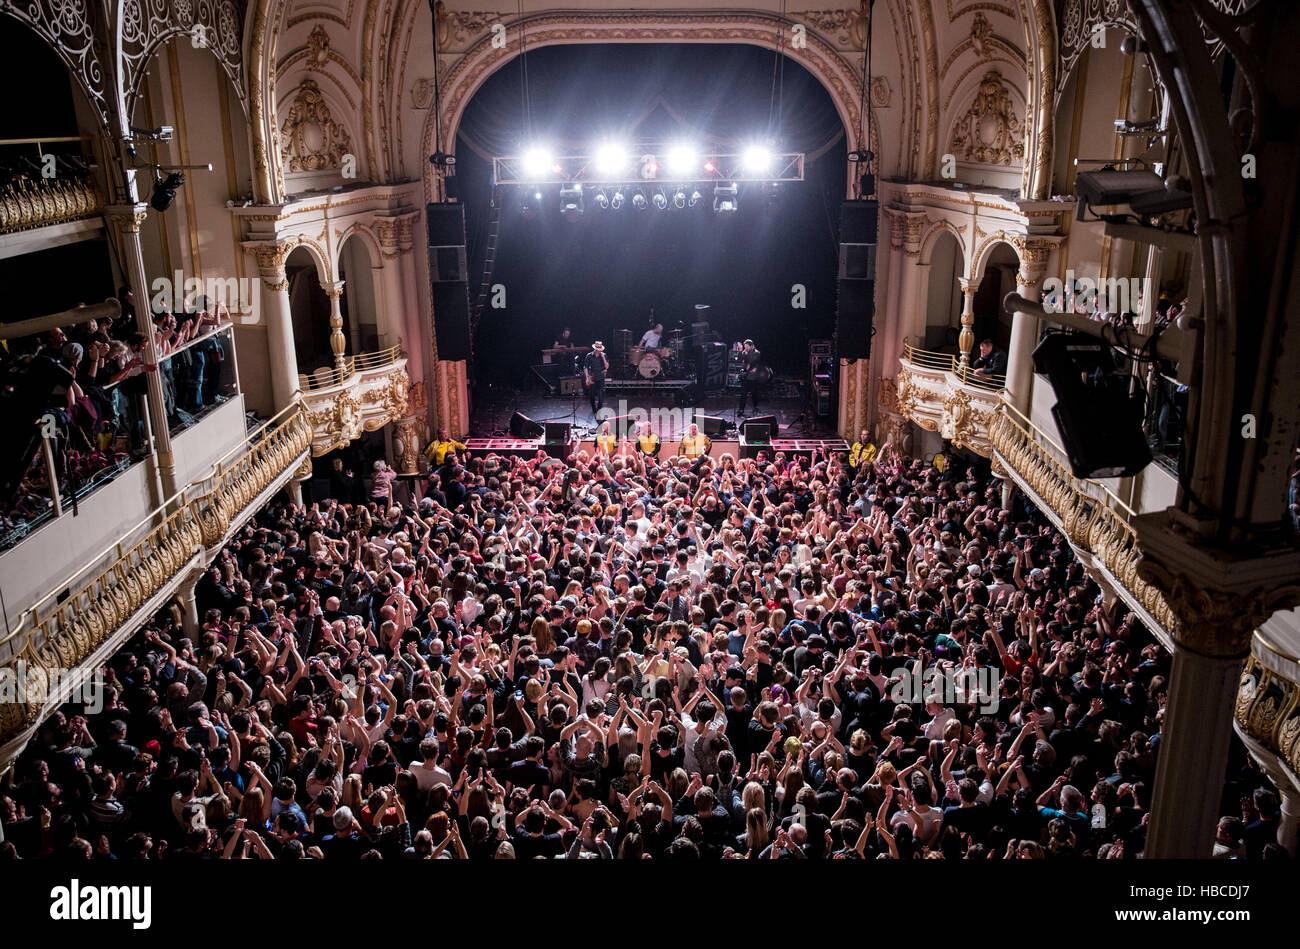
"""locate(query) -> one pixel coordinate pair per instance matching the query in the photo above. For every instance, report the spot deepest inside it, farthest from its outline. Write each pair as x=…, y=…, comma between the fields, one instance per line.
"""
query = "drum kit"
x=652, y=363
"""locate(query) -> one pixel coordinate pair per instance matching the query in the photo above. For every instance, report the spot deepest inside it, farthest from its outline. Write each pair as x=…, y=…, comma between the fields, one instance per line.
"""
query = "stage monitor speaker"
x=521, y=426
x=711, y=366
x=449, y=278
x=558, y=433
x=760, y=429
x=711, y=425
x=855, y=309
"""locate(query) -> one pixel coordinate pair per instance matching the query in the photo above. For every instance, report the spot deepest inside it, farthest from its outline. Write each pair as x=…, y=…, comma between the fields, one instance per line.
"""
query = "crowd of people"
x=83, y=386
x=629, y=658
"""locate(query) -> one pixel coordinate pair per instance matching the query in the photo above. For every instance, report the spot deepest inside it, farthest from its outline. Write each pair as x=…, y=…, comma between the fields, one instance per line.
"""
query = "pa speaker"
x=446, y=224
x=521, y=426
x=761, y=428
x=859, y=222
x=447, y=263
x=857, y=261
x=711, y=366
x=451, y=319
x=854, y=312
x=710, y=425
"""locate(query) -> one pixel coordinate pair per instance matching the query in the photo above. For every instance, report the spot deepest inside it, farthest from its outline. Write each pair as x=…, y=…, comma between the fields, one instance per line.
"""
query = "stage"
x=656, y=403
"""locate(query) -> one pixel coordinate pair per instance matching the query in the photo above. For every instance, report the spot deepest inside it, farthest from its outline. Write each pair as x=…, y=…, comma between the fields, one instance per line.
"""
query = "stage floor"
x=495, y=406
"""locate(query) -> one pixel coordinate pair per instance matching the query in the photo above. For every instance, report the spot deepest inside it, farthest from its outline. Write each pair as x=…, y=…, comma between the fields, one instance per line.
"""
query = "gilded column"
x=281, y=354
x=967, y=337
x=338, y=342
x=126, y=220
x=1216, y=604
x=1034, y=255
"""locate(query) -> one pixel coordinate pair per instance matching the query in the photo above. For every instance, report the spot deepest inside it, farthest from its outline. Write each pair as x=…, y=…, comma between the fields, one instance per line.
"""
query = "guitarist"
x=594, y=368
x=755, y=373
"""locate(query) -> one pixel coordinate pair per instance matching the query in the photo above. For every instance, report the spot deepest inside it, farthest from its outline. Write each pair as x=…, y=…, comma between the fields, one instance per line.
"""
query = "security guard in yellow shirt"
x=647, y=442
x=436, y=453
x=606, y=441
x=694, y=444
x=863, y=451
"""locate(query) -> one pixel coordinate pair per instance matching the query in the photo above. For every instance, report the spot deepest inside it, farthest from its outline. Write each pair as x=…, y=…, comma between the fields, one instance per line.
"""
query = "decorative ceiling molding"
x=313, y=141
x=990, y=133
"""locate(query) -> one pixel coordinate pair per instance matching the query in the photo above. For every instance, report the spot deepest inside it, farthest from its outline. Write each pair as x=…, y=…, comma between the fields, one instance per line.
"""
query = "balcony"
x=86, y=616
x=362, y=394
x=1096, y=522
x=1267, y=715
x=942, y=394
x=27, y=202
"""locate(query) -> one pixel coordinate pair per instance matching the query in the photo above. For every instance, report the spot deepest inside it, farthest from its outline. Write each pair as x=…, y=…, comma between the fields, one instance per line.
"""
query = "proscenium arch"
x=841, y=79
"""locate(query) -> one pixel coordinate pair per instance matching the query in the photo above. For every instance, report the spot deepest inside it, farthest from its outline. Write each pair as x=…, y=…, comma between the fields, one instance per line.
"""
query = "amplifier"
x=821, y=347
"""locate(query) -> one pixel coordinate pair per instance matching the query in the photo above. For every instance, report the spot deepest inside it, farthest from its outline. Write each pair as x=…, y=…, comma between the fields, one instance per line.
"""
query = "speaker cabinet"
x=711, y=366
x=448, y=279
x=521, y=426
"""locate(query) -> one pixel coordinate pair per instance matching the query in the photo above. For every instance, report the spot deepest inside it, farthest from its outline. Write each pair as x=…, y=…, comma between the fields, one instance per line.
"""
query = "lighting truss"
x=646, y=164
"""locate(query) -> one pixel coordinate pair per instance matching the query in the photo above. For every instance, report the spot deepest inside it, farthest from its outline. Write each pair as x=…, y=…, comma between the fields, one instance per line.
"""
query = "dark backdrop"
x=606, y=269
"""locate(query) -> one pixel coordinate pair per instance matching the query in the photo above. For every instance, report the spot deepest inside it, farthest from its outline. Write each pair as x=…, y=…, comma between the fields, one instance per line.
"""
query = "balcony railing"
x=366, y=393
x=87, y=615
x=939, y=394
x=1096, y=522
x=951, y=362
x=27, y=203
x=1268, y=702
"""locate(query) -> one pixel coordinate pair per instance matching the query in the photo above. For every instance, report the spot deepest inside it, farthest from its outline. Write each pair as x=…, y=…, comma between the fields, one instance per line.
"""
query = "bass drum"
x=634, y=354
x=649, y=367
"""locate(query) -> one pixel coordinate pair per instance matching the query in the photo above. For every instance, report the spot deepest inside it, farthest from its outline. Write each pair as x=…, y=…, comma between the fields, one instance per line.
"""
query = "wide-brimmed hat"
x=598, y=346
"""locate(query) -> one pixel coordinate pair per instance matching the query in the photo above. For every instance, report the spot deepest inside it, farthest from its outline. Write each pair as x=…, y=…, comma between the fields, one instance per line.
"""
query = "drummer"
x=650, y=338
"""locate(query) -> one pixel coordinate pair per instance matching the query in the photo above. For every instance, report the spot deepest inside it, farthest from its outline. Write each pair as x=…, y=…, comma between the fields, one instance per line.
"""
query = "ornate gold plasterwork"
x=990, y=132
x=312, y=139
x=27, y=203
x=980, y=31
x=848, y=28
x=882, y=94
x=1268, y=708
x=318, y=47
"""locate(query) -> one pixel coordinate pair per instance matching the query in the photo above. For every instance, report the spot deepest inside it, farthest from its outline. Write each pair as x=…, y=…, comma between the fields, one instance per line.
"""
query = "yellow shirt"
x=436, y=453
x=606, y=443
x=695, y=445
x=862, y=453
x=649, y=444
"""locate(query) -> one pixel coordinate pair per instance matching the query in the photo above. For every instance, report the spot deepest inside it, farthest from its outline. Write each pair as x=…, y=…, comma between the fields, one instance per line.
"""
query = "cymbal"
x=676, y=332
x=622, y=331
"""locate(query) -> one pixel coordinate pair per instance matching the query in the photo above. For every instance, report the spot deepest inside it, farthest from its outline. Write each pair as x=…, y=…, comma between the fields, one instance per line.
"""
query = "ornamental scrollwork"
x=312, y=139
x=990, y=133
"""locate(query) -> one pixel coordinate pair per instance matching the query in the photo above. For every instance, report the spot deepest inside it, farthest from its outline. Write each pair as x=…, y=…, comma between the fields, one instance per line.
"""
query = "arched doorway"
x=361, y=321
x=998, y=279
x=944, y=299
x=310, y=306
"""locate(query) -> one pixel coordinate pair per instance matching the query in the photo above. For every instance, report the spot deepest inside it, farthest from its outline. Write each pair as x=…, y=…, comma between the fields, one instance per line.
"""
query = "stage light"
x=681, y=159
x=649, y=166
x=660, y=200
x=536, y=161
x=164, y=191
x=726, y=199
x=602, y=200
x=679, y=199
x=616, y=201
x=611, y=159
x=710, y=166
x=571, y=200
x=756, y=159
x=638, y=201
x=695, y=198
